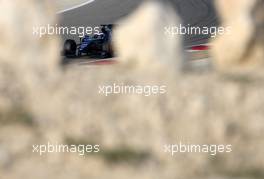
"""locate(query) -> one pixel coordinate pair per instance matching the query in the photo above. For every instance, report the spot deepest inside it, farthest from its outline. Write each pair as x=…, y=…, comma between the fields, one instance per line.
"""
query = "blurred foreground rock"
x=27, y=63
x=243, y=50
x=141, y=38
x=41, y=104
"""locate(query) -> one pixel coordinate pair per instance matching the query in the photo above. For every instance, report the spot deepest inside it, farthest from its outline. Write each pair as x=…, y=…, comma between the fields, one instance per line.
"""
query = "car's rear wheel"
x=70, y=48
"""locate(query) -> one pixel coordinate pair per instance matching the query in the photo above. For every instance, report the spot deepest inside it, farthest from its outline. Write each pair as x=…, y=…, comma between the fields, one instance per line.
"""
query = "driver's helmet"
x=96, y=36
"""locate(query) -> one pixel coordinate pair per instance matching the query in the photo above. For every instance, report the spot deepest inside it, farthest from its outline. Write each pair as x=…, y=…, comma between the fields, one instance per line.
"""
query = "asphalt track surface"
x=198, y=13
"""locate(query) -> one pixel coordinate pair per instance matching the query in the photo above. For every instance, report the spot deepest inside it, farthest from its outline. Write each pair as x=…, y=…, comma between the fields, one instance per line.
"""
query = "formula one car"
x=98, y=45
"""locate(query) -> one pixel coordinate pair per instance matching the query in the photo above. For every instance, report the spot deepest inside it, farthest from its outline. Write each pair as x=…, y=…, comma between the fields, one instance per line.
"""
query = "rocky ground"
x=42, y=102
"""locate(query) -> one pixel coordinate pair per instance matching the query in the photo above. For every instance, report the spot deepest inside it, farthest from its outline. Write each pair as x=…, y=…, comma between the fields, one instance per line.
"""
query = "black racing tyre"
x=70, y=48
x=107, y=48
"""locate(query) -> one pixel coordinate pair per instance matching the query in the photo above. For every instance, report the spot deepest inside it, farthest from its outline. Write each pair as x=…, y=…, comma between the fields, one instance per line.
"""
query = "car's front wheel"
x=70, y=48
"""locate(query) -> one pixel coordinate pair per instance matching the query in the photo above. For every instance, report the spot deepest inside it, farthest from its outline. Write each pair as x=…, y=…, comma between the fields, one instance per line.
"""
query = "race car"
x=95, y=45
